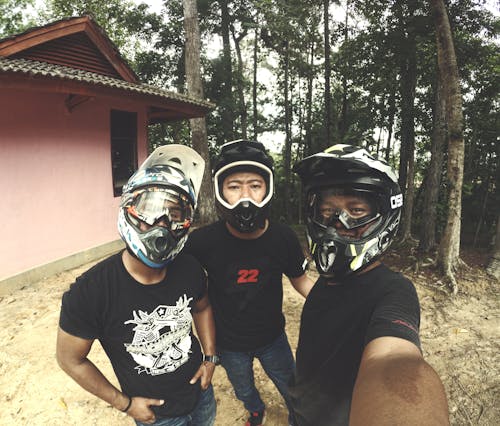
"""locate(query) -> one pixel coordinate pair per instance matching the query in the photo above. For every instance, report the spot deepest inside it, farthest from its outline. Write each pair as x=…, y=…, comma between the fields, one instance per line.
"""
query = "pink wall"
x=55, y=171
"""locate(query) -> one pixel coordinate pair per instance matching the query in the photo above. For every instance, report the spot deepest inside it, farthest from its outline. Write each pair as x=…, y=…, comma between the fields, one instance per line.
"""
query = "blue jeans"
x=276, y=360
x=202, y=415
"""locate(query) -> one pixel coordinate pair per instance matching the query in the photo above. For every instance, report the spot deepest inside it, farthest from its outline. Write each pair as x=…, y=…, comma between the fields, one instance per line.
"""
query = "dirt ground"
x=460, y=338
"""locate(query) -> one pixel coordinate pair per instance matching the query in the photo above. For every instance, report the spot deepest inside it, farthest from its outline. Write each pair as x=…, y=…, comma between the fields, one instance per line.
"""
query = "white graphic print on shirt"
x=159, y=351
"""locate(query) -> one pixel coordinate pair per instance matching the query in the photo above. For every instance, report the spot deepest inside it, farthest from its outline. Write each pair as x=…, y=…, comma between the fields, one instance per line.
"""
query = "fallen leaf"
x=62, y=403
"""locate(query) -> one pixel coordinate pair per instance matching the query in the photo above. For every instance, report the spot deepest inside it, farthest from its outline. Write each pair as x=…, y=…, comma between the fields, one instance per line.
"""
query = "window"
x=123, y=148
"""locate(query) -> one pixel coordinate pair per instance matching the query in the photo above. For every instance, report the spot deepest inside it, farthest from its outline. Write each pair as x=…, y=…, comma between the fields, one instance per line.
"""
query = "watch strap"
x=211, y=358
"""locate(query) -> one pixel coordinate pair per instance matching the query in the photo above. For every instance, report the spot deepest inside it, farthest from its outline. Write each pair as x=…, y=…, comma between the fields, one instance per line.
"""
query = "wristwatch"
x=211, y=358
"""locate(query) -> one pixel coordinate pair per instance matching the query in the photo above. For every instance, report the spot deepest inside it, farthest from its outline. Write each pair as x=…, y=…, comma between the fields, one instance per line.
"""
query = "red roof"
x=75, y=56
x=75, y=42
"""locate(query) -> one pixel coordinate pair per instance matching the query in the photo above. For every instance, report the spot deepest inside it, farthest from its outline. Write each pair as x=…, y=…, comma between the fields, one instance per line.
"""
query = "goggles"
x=351, y=208
x=154, y=205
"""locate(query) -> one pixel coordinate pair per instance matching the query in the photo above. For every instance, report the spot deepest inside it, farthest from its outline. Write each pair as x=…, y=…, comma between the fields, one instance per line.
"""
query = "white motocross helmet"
x=158, y=203
x=351, y=172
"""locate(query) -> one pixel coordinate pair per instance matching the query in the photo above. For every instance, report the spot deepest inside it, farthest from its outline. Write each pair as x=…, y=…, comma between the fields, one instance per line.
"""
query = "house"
x=73, y=128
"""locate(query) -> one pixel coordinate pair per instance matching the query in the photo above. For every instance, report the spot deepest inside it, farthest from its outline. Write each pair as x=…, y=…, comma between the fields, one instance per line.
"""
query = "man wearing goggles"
x=162, y=207
x=141, y=304
x=359, y=360
x=343, y=209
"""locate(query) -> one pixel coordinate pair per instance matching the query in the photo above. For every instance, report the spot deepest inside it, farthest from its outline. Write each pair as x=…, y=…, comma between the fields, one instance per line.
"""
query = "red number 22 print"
x=247, y=276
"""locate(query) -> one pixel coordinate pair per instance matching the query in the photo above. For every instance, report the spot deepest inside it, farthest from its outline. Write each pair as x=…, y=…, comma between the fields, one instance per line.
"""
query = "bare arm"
x=72, y=354
x=302, y=284
x=205, y=328
x=396, y=386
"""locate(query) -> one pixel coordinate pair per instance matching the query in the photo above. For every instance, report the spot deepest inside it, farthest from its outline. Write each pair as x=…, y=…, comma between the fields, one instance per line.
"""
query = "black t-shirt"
x=245, y=281
x=337, y=322
x=146, y=330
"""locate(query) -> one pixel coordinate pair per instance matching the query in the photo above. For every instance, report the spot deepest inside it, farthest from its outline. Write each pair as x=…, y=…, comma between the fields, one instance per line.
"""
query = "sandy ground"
x=460, y=338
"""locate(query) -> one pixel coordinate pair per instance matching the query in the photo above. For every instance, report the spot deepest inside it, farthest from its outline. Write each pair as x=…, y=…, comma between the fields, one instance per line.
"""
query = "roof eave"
x=170, y=109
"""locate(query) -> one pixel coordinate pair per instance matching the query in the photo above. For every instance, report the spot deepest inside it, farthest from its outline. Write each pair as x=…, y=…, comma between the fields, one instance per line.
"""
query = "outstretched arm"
x=302, y=284
x=396, y=386
x=72, y=354
x=205, y=328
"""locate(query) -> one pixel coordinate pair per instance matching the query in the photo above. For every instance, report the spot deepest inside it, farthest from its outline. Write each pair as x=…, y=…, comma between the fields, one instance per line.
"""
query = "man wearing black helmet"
x=245, y=256
x=359, y=360
x=141, y=304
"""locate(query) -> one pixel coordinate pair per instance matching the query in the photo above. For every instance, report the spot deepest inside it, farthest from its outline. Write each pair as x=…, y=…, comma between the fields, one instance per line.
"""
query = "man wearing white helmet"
x=245, y=255
x=359, y=360
x=141, y=304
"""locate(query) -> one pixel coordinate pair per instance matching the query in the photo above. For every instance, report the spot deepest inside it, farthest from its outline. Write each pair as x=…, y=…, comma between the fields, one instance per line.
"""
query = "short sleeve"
x=79, y=311
x=397, y=313
x=189, y=274
x=297, y=261
x=194, y=243
x=203, y=281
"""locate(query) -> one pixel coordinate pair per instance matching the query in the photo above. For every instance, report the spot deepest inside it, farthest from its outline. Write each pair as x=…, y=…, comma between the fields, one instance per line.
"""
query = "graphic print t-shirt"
x=245, y=281
x=146, y=330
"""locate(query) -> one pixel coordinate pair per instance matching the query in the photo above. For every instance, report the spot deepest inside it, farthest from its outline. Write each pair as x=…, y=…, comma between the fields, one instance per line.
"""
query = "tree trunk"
x=199, y=138
x=226, y=103
x=378, y=141
x=254, y=87
x=480, y=219
x=433, y=178
x=494, y=265
x=288, y=130
x=328, y=100
x=310, y=77
x=241, y=93
x=343, y=124
x=449, y=250
x=392, y=113
x=407, y=216
x=408, y=72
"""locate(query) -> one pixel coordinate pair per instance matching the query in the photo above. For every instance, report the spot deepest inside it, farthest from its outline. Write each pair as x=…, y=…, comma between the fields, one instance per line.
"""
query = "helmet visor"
x=162, y=206
x=352, y=208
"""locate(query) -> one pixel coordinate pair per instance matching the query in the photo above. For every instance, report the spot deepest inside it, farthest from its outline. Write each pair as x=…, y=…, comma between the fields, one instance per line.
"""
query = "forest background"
x=302, y=75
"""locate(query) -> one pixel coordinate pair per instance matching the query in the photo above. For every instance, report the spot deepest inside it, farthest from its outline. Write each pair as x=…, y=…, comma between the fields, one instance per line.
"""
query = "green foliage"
x=128, y=25
x=368, y=51
x=13, y=17
x=168, y=133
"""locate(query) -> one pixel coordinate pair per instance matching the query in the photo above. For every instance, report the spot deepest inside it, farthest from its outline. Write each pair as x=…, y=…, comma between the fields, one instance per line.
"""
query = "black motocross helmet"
x=243, y=156
x=345, y=170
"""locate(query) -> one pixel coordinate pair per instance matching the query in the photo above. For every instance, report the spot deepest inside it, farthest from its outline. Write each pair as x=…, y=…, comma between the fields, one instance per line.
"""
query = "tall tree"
x=198, y=125
x=254, y=79
x=449, y=249
x=226, y=102
x=343, y=123
x=408, y=73
x=288, y=130
x=433, y=178
x=390, y=122
x=240, y=81
x=328, y=73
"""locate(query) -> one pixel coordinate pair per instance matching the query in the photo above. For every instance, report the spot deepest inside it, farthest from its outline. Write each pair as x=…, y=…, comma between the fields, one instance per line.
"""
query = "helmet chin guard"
x=245, y=216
